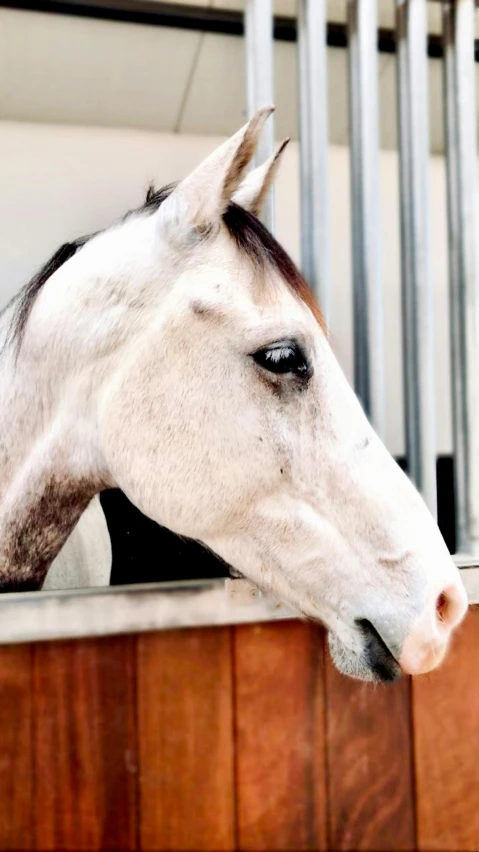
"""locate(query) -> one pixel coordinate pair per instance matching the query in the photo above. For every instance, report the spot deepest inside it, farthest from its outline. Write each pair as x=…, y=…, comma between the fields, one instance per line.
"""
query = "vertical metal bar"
x=313, y=134
x=417, y=310
x=304, y=100
x=461, y=153
x=365, y=220
x=456, y=336
x=259, y=80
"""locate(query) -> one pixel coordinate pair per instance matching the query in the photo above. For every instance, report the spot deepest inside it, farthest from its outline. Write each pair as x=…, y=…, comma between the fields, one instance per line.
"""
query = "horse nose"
x=426, y=643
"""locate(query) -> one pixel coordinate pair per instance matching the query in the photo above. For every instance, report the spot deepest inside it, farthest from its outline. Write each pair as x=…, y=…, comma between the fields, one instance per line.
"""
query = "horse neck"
x=41, y=497
x=23, y=414
x=72, y=345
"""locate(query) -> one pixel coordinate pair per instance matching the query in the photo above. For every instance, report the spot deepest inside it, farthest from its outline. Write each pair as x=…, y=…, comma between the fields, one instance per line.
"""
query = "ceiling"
x=336, y=10
x=73, y=70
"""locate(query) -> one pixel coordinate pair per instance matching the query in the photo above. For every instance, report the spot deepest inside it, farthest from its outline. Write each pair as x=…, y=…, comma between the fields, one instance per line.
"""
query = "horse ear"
x=251, y=194
x=201, y=198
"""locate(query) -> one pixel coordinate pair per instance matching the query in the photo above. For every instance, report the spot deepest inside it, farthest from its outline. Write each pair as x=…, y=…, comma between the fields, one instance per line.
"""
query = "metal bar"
x=34, y=616
x=461, y=154
x=304, y=141
x=365, y=219
x=45, y=616
x=259, y=80
x=313, y=134
x=456, y=338
x=417, y=306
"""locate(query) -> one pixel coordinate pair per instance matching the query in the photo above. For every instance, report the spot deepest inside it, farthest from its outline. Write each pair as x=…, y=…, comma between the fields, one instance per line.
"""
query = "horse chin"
x=355, y=664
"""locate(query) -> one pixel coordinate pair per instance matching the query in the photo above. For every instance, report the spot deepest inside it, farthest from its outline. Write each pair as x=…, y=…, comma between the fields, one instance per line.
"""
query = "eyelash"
x=284, y=358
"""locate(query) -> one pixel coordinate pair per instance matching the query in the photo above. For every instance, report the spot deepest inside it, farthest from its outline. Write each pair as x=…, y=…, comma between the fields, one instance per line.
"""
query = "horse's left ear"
x=251, y=194
x=200, y=200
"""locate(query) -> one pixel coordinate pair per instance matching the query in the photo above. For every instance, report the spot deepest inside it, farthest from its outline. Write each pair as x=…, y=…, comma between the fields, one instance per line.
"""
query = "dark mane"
x=254, y=240
x=24, y=302
x=249, y=234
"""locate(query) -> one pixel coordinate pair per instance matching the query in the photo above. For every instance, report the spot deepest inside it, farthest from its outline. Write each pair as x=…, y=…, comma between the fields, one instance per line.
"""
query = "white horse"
x=179, y=356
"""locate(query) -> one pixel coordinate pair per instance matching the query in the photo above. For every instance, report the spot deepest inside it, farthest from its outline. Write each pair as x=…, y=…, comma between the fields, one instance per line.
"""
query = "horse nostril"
x=441, y=606
x=426, y=644
x=449, y=607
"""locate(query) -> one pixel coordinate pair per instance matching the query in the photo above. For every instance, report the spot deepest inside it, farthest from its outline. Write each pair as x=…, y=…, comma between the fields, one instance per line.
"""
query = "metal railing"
x=417, y=295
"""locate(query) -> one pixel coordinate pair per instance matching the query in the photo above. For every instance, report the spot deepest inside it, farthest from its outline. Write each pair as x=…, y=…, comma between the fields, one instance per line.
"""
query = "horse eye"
x=286, y=356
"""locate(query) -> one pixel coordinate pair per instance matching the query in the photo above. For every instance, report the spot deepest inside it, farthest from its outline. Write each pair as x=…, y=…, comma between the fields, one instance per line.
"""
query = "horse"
x=180, y=356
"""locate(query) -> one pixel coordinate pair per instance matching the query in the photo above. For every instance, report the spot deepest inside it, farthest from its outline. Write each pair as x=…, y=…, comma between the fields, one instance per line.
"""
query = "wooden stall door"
x=234, y=738
x=16, y=770
x=185, y=732
x=280, y=745
x=446, y=734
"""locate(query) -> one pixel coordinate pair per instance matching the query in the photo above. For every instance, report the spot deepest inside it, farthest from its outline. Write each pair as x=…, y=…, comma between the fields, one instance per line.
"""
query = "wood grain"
x=85, y=745
x=186, y=740
x=15, y=748
x=279, y=683
x=370, y=772
x=236, y=729
x=446, y=721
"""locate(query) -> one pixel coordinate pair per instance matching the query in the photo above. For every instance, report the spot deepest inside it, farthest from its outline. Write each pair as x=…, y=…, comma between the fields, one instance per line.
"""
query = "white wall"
x=59, y=182
x=84, y=71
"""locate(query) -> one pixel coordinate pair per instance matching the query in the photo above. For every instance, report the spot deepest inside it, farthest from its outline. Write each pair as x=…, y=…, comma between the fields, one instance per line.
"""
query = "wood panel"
x=215, y=739
x=446, y=723
x=369, y=761
x=279, y=682
x=186, y=740
x=15, y=748
x=85, y=767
